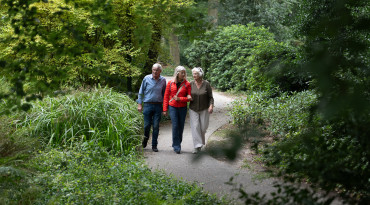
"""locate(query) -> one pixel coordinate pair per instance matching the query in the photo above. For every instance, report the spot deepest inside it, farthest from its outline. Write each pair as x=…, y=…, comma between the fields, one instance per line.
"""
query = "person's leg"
x=148, y=117
x=175, y=128
x=156, y=119
x=204, y=123
x=182, y=117
x=195, y=129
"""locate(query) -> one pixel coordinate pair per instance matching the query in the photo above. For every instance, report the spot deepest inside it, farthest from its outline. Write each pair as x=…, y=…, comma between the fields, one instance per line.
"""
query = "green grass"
x=108, y=118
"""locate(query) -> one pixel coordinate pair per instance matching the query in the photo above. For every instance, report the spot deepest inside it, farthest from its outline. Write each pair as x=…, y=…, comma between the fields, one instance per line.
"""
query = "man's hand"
x=140, y=107
x=165, y=113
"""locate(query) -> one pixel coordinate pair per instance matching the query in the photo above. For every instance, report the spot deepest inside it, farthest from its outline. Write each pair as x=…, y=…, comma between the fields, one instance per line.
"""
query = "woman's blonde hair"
x=178, y=69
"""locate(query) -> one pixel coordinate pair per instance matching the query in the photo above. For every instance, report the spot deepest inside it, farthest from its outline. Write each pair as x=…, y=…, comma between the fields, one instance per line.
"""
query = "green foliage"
x=191, y=22
x=42, y=40
x=335, y=49
x=169, y=71
x=270, y=13
x=288, y=113
x=88, y=174
x=14, y=148
x=108, y=118
x=308, y=147
x=15, y=151
x=286, y=194
x=48, y=44
x=88, y=165
x=331, y=161
x=241, y=57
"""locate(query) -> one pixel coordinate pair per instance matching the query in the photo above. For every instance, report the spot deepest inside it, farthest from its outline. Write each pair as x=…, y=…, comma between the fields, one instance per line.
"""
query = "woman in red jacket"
x=176, y=96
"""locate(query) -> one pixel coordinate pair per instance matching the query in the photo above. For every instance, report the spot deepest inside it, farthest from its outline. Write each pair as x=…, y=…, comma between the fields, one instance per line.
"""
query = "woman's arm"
x=166, y=98
x=185, y=93
x=210, y=97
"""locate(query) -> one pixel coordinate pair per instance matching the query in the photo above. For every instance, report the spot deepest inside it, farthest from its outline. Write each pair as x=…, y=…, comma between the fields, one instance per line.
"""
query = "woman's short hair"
x=178, y=69
x=199, y=70
x=157, y=65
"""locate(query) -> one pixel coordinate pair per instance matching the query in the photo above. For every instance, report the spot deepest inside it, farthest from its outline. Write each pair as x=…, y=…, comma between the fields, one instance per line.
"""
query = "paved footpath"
x=210, y=173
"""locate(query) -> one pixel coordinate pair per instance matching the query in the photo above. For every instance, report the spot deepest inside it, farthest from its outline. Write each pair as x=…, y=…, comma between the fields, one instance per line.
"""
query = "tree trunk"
x=174, y=48
x=153, y=49
x=213, y=11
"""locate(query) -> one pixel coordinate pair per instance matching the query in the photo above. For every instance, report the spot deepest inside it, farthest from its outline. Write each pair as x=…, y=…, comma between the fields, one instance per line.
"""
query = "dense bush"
x=307, y=146
x=108, y=118
x=272, y=14
x=288, y=113
x=241, y=57
x=321, y=156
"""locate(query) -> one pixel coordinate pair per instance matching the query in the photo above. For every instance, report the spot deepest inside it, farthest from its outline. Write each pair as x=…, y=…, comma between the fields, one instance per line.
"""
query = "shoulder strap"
x=177, y=91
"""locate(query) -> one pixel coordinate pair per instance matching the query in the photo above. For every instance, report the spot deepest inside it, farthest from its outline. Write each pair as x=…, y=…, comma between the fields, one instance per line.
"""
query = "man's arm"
x=140, y=96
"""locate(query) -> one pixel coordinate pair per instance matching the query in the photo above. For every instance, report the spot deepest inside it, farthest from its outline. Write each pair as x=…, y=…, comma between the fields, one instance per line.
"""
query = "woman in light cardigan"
x=176, y=96
x=201, y=107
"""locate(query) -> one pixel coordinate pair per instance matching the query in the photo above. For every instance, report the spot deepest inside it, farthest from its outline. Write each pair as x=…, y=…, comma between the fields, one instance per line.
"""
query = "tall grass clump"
x=108, y=118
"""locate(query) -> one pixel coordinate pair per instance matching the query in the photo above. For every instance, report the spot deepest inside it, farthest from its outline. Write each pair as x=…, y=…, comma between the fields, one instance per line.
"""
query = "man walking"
x=151, y=94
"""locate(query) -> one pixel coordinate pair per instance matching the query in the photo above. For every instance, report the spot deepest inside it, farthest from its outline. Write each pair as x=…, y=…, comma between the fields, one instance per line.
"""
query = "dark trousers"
x=178, y=115
x=152, y=116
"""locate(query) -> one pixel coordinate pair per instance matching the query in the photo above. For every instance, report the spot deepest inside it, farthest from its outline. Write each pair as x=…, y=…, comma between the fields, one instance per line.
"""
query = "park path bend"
x=208, y=172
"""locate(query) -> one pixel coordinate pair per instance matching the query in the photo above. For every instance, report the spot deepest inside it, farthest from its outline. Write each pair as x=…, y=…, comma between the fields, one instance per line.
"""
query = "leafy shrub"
x=326, y=153
x=241, y=57
x=87, y=174
x=288, y=113
x=249, y=109
x=326, y=158
x=223, y=47
x=106, y=117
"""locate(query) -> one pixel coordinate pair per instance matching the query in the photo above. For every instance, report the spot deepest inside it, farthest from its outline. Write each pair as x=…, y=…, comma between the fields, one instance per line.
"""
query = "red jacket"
x=171, y=90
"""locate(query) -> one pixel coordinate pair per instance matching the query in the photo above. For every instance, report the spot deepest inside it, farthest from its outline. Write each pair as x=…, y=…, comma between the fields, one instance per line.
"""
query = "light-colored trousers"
x=199, y=122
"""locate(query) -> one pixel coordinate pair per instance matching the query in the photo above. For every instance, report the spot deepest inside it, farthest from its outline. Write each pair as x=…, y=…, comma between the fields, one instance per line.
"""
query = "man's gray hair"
x=157, y=65
x=199, y=70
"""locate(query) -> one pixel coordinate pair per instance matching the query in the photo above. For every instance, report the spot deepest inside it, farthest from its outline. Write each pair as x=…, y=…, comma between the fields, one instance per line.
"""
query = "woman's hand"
x=165, y=113
x=210, y=109
x=190, y=98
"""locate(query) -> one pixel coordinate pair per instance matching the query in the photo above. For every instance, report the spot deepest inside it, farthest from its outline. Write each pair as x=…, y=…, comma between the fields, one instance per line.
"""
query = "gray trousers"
x=199, y=122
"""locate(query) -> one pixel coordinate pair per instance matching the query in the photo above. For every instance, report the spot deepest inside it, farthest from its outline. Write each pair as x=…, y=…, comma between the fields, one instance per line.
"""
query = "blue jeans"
x=152, y=116
x=177, y=115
